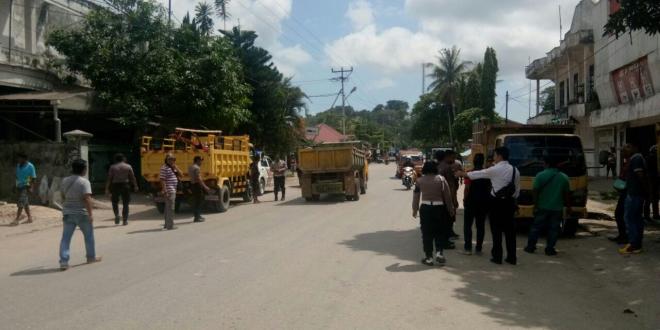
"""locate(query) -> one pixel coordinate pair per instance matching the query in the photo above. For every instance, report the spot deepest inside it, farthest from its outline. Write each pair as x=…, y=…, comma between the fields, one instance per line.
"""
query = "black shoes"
x=511, y=261
x=116, y=219
x=427, y=261
x=529, y=249
x=125, y=223
x=495, y=261
x=550, y=252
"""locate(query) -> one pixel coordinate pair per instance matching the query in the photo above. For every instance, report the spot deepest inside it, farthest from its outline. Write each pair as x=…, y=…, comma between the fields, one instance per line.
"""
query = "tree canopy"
x=144, y=69
x=635, y=15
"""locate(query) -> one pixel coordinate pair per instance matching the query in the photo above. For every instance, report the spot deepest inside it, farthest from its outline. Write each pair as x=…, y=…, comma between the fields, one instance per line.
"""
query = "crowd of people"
x=491, y=191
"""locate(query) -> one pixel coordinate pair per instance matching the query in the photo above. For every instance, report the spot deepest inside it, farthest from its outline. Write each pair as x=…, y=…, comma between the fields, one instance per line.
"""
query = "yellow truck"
x=225, y=168
x=528, y=145
x=334, y=168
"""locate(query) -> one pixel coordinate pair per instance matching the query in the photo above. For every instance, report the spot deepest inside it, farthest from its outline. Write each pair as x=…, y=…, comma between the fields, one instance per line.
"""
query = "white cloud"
x=288, y=59
x=391, y=50
x=361, y=14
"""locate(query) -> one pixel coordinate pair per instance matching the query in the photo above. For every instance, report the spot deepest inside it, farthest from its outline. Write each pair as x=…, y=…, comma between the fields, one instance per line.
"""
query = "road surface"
x=329, y=265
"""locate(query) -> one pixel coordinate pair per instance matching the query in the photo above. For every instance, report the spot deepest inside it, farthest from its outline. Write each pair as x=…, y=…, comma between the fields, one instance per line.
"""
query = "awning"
x=75, y=100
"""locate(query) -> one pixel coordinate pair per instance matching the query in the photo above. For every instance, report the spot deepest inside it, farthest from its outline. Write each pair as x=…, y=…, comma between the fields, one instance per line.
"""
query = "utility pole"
x=529, y=97
x=11, y=16
x=506, y=114
x=423, y=78
x=343, y=76
x=169, y=11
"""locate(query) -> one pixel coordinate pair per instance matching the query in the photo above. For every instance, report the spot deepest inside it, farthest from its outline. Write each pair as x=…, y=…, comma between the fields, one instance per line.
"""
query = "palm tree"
x=203, y=18
x=221, y=10
x=446, y=76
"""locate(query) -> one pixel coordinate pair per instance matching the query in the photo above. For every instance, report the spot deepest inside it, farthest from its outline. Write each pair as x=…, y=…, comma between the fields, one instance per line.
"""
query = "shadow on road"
x=325, y=200
x=529, y=295
x=42, y=270
x=160, y=228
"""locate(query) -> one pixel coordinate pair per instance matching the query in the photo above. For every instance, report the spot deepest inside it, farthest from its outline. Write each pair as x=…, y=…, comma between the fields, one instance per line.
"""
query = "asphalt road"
x=331, y=264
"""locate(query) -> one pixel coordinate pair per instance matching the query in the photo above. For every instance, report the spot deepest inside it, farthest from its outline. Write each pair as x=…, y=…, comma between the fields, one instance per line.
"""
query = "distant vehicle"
x=225, y=169
x=528, y=145
x=408, y=179
x=334, y=168
x=417, y=158
x=265, y=175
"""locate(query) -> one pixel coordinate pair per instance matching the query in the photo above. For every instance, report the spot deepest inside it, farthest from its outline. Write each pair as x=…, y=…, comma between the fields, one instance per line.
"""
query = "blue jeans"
x=634, y=222
x=70, y=222
x=545, y=219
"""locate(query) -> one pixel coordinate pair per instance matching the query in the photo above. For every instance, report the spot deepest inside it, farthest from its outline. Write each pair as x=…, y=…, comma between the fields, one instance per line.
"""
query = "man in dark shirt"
x=120, y=181
x=637, y=190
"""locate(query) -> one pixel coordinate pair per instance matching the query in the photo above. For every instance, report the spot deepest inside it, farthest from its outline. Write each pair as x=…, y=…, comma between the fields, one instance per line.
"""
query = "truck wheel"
x=160, y=207
x=570, y=227
x=222, y=204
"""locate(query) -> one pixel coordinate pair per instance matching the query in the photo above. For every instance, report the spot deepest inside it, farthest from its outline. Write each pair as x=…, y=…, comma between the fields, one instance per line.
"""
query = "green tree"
x=472, y=98
x=548, y=99
x=487, y=92
x=429, y=122
x=221, y=11
x=145, y=70
x=275, y=120
x=203, y=18
x=635, y=15
x=446, y=76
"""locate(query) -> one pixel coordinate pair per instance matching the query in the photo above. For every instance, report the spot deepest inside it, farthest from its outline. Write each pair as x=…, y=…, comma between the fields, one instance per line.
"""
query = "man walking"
x=77, y=212
x=120, y=181
x=637, y=190
x=505, y=180
x=25, y=177
x=198, y=188
x=169, y=179
x=279, y=176
x=551, y=193
x=447, y=167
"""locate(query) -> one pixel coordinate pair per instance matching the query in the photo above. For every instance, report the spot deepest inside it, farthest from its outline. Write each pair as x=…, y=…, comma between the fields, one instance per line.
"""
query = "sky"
x=387, y=41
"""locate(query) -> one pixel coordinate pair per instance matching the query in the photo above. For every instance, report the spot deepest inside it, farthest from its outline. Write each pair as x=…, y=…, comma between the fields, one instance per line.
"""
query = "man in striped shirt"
x=169, y=178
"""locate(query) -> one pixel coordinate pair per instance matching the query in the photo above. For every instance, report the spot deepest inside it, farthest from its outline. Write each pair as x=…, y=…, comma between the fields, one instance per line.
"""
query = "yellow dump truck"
x=225, y=168
x=334, y=168
x=528, y=145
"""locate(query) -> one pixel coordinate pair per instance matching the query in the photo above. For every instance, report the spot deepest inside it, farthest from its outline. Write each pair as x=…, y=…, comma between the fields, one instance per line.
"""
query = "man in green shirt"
x=551, y=194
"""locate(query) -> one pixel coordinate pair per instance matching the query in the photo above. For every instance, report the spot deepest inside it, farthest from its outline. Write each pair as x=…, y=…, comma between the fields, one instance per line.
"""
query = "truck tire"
x=160, y=207
x=222, y=204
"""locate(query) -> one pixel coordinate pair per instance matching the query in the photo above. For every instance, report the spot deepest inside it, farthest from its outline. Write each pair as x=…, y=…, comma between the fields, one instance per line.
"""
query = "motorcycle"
x=408, y=177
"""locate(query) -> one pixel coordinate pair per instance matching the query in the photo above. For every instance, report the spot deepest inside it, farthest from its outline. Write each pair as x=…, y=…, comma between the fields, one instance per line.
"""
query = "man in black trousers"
x=505, y=180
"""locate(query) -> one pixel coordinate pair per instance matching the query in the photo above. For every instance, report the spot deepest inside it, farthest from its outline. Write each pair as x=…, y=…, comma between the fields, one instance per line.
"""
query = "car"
x=265, y=175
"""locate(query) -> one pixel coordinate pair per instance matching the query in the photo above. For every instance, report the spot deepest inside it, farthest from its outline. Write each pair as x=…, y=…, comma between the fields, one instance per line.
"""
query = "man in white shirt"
x=505, y=180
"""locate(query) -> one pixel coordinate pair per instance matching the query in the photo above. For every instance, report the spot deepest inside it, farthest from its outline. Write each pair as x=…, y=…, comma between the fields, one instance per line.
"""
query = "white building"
x=25, y=60
x=606, y=87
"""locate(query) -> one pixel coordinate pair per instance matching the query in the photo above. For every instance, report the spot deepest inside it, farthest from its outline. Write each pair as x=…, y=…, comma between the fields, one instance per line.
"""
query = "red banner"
x=633, y=81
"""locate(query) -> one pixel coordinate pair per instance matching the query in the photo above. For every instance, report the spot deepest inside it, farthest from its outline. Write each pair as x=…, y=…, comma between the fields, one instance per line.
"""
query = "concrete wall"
x=616, y=53
x=50, y=159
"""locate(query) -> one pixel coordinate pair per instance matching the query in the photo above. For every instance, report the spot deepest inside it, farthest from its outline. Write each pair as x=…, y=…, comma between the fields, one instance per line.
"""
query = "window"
x=590, y=83
x=528, y=153
x=576, y=83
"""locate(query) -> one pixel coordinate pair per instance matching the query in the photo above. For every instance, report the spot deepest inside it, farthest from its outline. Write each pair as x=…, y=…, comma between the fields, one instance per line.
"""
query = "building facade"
x=606, y=87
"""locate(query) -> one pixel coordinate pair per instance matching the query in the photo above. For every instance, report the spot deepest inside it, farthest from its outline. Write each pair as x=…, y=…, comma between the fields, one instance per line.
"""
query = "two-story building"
x=606, y=87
